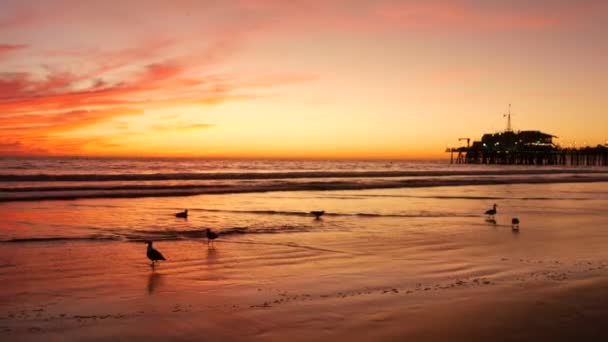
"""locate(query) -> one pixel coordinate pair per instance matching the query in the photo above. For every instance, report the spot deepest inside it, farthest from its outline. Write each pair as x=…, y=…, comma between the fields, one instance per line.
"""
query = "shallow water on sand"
x=377, y=258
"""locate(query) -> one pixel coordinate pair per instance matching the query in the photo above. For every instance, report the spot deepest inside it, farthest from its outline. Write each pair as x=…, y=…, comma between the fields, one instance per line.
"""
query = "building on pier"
x=525, y=148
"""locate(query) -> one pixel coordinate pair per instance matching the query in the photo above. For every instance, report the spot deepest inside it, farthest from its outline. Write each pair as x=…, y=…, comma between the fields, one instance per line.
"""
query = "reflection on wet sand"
x=371, y=265
x=212, y=255
x=154, y=281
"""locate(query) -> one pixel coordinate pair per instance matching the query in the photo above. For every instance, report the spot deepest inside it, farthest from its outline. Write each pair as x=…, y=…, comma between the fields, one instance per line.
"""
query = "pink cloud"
x=39, y=108
x=4, y=48
x=429, y=15
x=7, y=49
x=446, y=15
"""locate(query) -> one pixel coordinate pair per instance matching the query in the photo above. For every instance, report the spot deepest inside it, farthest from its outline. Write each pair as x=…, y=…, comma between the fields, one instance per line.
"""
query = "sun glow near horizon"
x=313, y=79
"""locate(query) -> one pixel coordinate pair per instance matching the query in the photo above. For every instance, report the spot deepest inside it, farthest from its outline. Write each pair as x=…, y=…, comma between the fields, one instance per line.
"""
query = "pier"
x=525, y=148
x=587, y=156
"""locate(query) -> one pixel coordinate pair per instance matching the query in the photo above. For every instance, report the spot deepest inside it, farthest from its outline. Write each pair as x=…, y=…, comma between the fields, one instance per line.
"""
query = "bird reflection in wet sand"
x=491, y=221
x=154, y=280
x=212, y=256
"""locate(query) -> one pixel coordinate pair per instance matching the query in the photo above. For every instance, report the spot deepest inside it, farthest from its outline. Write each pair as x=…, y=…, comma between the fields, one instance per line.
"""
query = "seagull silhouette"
x=182, y=214
x=317, y=213
x=515, y=223
x=211, y=235
x=153, y=254
x=492, y=211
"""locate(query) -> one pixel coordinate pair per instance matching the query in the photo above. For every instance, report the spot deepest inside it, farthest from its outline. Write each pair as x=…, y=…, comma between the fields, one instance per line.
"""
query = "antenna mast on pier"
x=508, y=116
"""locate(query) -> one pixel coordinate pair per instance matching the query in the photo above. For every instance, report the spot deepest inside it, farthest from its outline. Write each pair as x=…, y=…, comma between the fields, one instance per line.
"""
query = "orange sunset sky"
x=310, y=79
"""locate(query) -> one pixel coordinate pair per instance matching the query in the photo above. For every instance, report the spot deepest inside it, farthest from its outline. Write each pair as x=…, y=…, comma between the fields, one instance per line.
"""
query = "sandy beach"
x=391, y=264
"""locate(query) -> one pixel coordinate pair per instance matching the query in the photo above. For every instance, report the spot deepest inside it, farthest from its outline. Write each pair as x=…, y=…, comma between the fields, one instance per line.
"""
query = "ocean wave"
x=61, y=239
x=58, y=193
x=465, y=197
x=143, y=235
x=282, y=175
x=304, y=213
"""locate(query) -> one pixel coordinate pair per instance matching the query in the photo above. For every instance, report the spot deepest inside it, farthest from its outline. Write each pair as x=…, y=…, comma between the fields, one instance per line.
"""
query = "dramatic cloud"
x=42, y=103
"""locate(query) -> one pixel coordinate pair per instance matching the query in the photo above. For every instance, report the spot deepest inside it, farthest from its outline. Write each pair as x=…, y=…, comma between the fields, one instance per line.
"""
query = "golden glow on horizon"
x=302, y=79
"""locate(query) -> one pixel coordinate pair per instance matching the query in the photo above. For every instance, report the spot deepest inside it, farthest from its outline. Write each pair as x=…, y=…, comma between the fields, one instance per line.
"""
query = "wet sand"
x=425, y=266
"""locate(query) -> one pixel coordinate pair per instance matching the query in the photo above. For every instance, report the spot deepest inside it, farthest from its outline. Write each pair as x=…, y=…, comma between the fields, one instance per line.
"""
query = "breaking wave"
x=162, y=235
x=141, y=235
x=280, y=175
x=338, y=181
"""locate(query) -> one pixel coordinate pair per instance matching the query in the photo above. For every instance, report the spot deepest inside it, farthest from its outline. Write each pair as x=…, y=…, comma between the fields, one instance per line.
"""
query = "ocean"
x=71, y=178
x=170, y=184
x=400, y=241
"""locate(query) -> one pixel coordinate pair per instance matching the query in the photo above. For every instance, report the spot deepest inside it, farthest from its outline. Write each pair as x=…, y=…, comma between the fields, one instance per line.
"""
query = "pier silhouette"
x=531, y=147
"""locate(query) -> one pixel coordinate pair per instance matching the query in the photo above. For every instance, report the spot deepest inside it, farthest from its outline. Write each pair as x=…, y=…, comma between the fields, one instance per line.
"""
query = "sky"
x=296, y=79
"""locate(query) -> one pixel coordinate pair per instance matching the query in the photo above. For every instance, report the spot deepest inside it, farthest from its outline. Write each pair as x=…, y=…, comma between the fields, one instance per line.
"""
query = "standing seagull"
x=211, y=235
x=153, y=254
x=492, y=211
x=182, y=214
x=515, y=223
x=317, y=214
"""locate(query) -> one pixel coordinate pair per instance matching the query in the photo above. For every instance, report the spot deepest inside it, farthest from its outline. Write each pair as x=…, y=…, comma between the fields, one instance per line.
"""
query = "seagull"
x=492, y=211
x=211, y=235
x=318, y=213
x=153, y=254
x=515, y=223
x=182, y=214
